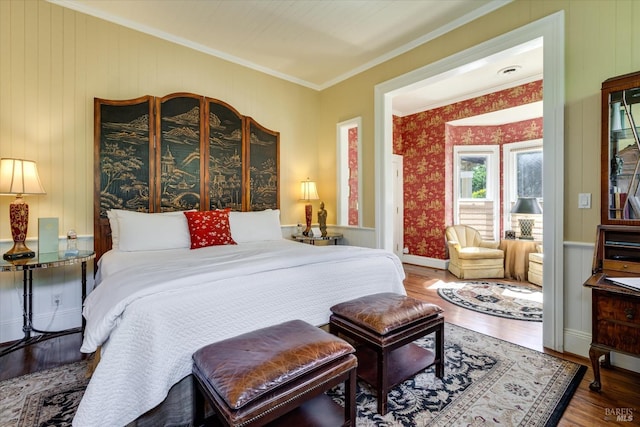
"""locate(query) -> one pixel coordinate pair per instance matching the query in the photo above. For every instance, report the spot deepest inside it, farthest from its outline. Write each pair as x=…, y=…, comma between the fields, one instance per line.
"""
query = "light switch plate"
x=584, y=201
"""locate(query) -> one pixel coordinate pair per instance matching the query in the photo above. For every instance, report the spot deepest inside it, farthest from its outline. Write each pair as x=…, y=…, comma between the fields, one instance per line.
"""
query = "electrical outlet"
x=56, y=300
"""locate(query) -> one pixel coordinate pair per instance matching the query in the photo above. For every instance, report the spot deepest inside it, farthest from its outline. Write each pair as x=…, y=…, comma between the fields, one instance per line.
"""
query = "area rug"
x=497, y=299
x=486, y=381
x=46, y=398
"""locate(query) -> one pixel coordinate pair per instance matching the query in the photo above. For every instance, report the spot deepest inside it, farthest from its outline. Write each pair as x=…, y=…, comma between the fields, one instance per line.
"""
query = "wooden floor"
x=620, y=388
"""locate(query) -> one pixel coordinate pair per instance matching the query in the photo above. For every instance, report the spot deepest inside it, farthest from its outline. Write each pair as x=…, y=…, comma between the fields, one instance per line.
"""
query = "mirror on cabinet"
x=621, y=150
x=349, y=140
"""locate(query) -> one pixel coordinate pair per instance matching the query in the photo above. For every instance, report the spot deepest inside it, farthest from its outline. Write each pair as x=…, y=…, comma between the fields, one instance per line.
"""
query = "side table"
x=330, y=237
x=40, y=262
x=516, y=257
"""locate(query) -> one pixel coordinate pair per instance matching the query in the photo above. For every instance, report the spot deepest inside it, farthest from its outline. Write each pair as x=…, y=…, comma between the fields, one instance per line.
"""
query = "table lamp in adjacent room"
x=526, y=206
x=308, y=193
x=19, y=177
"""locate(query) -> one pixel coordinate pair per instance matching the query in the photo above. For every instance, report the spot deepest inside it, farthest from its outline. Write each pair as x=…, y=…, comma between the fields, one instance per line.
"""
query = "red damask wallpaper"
x=353, y=176
x=426, y=144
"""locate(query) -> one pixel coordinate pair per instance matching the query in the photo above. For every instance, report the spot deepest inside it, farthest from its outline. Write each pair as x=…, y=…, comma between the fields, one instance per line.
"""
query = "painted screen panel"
x=124, y=157
x=225, y=157
x=263, y=168
x=180, y=154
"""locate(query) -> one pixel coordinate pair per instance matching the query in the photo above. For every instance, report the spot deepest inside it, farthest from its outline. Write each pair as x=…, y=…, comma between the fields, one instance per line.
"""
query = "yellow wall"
x=54, y=61
x=601, y=41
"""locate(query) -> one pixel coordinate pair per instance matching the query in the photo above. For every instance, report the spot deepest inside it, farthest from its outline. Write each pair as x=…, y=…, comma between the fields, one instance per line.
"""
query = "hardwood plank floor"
x=620, y=388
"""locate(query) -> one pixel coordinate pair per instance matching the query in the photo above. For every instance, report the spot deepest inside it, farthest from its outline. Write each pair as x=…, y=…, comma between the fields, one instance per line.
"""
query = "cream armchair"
x=471, y=257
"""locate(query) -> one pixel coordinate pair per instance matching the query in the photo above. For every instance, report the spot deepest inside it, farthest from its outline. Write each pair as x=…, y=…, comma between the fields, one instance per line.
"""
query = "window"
x=522, y=178
x=475, y=188
x=349, y=166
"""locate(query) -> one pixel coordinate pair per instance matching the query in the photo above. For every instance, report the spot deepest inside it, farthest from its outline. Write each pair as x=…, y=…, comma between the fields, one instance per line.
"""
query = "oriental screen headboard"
x=179, y=152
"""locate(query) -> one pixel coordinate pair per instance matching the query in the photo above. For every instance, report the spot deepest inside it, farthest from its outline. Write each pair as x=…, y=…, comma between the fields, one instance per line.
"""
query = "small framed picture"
x=509, y=234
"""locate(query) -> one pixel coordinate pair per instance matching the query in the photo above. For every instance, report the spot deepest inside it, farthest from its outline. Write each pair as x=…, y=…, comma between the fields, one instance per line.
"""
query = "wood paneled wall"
x=53, y=63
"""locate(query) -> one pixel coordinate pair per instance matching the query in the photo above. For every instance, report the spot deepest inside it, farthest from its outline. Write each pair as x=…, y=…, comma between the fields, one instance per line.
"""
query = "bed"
x=157, y=301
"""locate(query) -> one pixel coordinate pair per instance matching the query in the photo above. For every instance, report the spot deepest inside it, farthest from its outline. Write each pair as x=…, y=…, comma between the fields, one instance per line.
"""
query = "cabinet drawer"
x=624, y=266
x=620, y=337
x=618, y=308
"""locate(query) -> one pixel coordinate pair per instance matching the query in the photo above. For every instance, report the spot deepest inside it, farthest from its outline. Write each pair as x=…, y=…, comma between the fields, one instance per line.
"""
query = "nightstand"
x=27, y=266
x=330, y=237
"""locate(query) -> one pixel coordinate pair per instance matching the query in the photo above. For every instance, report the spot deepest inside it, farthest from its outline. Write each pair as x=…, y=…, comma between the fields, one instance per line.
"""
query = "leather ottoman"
x=384, y=326
x=277, y=376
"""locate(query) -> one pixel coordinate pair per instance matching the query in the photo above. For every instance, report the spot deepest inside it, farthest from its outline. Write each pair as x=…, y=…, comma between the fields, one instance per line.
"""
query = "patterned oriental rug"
x=486, y=381
x=520, y=302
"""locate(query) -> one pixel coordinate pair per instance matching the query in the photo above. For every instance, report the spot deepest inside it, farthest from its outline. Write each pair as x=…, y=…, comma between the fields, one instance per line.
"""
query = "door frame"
x=551, y=30
x=398, y=203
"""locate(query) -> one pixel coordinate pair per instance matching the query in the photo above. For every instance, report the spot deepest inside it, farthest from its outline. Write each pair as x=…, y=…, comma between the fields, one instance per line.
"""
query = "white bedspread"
x=153, y=310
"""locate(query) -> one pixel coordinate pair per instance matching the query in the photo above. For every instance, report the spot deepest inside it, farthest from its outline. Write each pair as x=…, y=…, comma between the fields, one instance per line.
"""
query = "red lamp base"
x=307, y=215
x=19, y=218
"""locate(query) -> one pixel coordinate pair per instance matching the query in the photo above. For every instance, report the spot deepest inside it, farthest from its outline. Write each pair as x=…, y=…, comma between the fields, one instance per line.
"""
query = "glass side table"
x=330, y=237
x=27, y=266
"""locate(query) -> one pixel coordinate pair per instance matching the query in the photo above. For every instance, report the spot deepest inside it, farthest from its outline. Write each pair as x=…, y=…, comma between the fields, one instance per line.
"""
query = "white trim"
x=342, y=142
x=442, y=264
x=551, y=30
x=398, y=204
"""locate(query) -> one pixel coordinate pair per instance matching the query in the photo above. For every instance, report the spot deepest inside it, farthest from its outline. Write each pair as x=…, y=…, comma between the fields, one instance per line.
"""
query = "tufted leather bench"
x=384, y=327
x=275, y=375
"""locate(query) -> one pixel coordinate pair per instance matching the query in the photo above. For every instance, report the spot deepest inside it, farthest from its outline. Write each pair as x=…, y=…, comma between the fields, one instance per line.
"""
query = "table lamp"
x=526, y=206
x=19, y=177
x=308, y=192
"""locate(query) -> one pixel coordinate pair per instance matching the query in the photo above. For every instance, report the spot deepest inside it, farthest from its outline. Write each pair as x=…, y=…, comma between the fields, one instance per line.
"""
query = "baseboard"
x=63, y=319
x=578, y=342
x=441, y=264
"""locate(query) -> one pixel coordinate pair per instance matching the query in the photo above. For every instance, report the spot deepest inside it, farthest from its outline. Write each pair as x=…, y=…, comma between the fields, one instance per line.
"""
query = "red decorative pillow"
x=209, y=228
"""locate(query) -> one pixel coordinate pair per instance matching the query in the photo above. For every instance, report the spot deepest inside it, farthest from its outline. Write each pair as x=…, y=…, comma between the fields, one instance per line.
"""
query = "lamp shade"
x=19, y=177
x=527, y=205
x=308, y=191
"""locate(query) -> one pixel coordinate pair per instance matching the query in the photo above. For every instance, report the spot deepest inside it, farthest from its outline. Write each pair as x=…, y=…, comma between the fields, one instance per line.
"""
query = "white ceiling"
x=318, y=43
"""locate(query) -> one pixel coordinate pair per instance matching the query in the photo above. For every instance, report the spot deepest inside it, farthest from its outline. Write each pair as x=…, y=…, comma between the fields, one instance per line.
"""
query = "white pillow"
x=115, y=230
x=112, y=215
x=139, y=231
x=255, y=226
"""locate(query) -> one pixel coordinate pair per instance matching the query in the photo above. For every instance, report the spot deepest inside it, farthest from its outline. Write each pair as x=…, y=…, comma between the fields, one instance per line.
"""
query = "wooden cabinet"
x=615, y=309
x=617, y=251
x=620, y=165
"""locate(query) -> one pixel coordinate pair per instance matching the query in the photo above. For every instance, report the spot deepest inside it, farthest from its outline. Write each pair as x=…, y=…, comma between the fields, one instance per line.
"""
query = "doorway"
x=551, y=30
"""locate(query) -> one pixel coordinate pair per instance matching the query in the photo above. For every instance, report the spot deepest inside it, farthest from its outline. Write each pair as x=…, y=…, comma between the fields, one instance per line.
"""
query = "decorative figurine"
x=322, y=220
